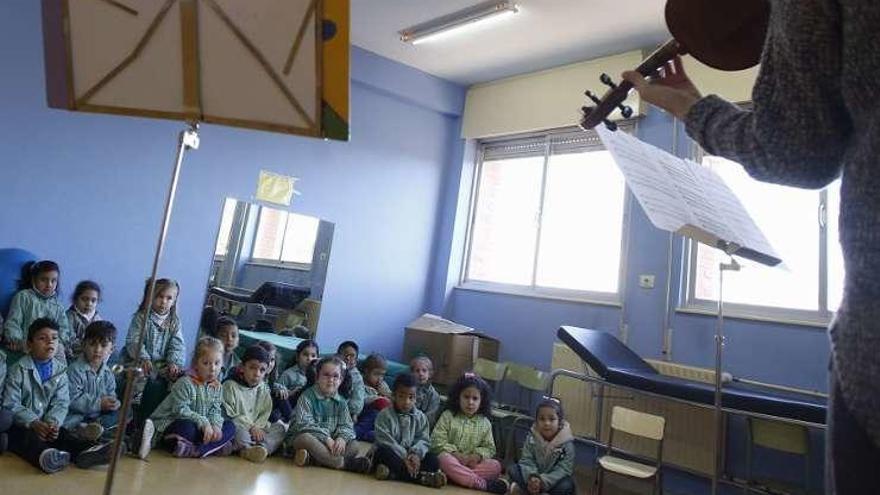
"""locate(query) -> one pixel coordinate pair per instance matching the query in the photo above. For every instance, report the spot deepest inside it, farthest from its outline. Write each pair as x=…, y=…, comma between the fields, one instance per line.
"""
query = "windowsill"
x=547, y=294
x=739, y=314
x=302, y=267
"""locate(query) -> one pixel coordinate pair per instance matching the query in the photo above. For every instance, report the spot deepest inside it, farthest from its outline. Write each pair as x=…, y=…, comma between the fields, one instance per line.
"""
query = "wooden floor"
x=165, y=475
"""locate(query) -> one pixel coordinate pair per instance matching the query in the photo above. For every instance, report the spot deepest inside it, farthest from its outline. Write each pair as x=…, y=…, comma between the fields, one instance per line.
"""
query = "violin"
x=723, y=34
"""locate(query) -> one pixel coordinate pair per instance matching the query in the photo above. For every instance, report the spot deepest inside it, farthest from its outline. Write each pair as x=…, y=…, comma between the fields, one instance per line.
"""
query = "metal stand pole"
x=719, y=344
x=189, y=139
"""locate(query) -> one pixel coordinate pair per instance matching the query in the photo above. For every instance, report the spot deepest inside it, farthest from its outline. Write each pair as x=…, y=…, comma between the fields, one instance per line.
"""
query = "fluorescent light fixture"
x=457, y=22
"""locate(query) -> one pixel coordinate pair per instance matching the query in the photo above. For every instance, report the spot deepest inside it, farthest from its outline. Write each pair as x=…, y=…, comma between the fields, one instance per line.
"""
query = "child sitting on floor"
x=161, y=353
x=547, y=460
x=93, y=402
x=227, y=331
x=462, y=438
x=80, y=314
x=37, y=297
x=281, y=408
x=294, y=378
x=427, y=397
x=190, y=420
x=354, y=393
x=403, y=440
x=376, y=396
x=247, y=401
x=37, y=395
x=321, y=429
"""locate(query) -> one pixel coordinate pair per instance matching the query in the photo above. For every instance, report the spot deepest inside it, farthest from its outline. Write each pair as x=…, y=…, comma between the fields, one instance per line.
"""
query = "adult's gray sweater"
x=816, y=118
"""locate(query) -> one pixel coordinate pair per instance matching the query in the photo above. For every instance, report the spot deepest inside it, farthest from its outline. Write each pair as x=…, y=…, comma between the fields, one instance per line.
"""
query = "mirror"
x=268, y=270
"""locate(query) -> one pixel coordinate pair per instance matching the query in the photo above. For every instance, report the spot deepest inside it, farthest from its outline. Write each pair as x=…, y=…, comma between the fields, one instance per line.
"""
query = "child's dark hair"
x=208, y=323
x=223, y=322
x=470, y=380
x=273, y=351
x=305, y=344
x=348, y=343
x=552, y=403
x=83, y=286
x=39, y=324
x=404, y=380
x=374, y=361
x=31, y=269
x=101, y=331
x=161, y=285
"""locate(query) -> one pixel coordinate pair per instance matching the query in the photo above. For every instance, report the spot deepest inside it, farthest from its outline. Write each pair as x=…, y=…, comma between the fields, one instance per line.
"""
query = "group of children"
x=59, y=402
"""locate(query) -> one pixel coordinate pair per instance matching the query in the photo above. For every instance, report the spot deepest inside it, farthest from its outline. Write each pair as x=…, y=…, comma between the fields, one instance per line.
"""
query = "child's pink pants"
x=475, y=477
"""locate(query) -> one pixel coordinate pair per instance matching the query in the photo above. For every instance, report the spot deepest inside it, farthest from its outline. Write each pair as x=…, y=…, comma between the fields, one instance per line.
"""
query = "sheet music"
x=682, y=196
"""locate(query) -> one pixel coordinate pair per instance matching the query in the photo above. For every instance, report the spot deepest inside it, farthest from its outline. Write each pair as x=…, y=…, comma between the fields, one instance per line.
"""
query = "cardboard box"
x=451, y=346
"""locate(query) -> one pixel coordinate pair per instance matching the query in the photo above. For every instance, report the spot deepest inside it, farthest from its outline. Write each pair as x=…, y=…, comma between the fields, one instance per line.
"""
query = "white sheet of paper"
x=680, y=194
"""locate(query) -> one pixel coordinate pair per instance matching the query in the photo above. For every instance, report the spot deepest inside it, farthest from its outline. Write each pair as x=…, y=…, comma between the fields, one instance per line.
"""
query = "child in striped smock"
x=294, y=378
x=190, y=420
x=321, y=430
x=247, y=401
x=161, y=353
x=37, y=297
x=226, y=330
x=80, y=314
x=427, y=398
x=547, y=461
x=462, y=437
x=93, y=402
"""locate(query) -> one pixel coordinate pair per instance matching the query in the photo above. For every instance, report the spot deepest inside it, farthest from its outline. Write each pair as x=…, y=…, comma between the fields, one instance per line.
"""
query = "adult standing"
x=816, y=117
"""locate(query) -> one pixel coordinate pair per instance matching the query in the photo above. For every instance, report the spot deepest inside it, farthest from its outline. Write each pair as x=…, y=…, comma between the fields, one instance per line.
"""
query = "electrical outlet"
x=646, y=281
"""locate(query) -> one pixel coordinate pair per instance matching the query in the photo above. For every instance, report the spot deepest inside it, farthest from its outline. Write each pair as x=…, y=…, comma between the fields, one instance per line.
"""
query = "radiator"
x=688, y=442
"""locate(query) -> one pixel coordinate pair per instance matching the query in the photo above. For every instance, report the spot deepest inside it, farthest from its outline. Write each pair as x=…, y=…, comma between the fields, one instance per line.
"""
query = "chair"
x=638, y=424
x=529, y=381
x=782, y=437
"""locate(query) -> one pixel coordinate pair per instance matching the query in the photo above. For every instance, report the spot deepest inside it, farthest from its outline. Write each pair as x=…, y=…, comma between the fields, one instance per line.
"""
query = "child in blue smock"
x=93, y=402
x=81, y=313
x=37, y=297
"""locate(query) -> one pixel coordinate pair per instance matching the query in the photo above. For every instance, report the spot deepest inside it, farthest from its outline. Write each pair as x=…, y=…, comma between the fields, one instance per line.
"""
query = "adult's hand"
x=672, y=90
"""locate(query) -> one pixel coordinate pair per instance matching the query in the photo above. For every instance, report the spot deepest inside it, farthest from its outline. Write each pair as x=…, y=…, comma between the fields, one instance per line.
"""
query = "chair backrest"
x=638, y=423
x=527, y=377
x=784, y=437
x=490, y=370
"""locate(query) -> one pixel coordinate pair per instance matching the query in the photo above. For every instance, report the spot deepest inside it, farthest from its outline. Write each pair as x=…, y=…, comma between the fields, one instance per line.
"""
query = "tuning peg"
x=591, y=96
x=610, y=125
x=625, y=110
x=606, y=80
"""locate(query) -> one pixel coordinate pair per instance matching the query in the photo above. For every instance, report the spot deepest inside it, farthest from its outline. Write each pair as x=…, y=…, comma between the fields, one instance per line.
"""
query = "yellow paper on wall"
x=275, y=188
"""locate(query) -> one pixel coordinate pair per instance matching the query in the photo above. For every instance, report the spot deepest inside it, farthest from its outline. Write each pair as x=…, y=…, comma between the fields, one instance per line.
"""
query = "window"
x=808, y=287
x=226, y=220
x=547, y=217
x=284, y=237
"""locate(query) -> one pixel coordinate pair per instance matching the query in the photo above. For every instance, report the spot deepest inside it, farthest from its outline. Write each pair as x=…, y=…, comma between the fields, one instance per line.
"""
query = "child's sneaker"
x=53, y=460
x=436, y=479
x=498, y=485
x=146, y=439
x=515, y=489
x=301, y=458
x=94, y=456
x=257, y=453
x=90, y=432
x=357, y=464
x=382, y=472
x=183, y=448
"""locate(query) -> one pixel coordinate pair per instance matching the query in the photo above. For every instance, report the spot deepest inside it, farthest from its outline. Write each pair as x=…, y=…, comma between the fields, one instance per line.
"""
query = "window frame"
x=270, y=262
x=793, y=316
x=570, y=140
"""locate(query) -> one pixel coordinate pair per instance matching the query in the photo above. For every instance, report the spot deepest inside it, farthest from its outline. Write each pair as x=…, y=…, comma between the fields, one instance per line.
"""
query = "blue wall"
x=87, y=190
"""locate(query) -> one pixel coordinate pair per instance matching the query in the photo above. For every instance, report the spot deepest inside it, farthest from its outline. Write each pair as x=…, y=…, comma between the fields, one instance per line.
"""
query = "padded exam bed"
x=618, y=365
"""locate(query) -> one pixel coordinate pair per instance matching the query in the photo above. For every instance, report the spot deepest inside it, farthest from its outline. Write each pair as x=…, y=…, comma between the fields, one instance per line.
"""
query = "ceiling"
x=543, y=34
